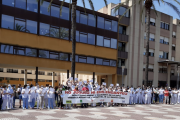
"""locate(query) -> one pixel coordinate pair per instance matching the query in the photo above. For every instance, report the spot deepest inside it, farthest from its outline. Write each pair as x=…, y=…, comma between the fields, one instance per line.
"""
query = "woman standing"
x=156, y=93
x=166, y=95
x=4, y=98
x=25, y=92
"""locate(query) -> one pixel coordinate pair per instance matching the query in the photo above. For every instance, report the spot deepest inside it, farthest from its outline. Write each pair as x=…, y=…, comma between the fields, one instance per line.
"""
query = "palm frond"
x=70, y=1
x=105, y=1
x=84, y=6
x=61, y=7
x=92, y=6
x=49, y=7
x=173, y=7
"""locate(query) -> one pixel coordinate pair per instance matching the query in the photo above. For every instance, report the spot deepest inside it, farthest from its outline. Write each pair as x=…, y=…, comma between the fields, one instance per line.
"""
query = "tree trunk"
x=147, y=43
x=74, y=3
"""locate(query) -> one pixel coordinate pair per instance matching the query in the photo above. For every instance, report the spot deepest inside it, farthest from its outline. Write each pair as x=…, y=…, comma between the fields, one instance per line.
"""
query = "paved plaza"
x=131, y=112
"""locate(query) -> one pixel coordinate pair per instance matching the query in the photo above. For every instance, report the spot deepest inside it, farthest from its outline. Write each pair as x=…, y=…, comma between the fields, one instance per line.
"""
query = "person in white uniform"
x=175, y=95
x=50, y=93
x=161, y=95
x=4, y=98
x=179, y=96
x=25, y=92
x=131, y=91
x=45, y=96
x=134, y=96
x=10, y=93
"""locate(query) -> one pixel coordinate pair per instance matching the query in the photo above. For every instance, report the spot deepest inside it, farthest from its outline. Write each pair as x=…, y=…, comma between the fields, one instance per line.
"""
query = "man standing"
x=85, y=89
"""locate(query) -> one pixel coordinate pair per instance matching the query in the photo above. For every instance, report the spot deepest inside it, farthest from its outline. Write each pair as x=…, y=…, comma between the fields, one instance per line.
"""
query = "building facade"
x=35, y=39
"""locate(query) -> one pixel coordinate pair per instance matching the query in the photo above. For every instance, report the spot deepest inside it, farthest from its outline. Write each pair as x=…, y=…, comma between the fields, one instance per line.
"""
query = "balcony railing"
x=119, y=71
x=123, y=38
x=122, y=54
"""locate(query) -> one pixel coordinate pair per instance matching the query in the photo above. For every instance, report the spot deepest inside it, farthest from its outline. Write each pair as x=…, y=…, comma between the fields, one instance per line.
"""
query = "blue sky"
x=98, y=4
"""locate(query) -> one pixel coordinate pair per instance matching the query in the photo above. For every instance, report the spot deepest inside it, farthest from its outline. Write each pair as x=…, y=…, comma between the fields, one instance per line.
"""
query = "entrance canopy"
x=169, y=62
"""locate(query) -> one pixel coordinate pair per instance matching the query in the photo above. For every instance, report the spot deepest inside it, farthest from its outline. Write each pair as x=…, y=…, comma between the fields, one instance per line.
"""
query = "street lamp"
x=122, y=75
x=178, y=80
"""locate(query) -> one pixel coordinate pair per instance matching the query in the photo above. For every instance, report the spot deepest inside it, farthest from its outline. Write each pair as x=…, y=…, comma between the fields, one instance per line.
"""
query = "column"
x=93, y=77
x=114, y=79
x=25, y=76
x=77, y=75
x=53, y=79
x=67, y=74
x=168, y=75
x=36, y=75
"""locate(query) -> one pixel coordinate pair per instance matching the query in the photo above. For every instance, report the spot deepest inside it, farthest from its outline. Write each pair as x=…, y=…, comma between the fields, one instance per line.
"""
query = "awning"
x=169, y=62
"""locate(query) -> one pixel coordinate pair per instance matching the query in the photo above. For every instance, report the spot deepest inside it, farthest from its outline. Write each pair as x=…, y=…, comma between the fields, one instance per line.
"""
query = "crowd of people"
x=48, y=97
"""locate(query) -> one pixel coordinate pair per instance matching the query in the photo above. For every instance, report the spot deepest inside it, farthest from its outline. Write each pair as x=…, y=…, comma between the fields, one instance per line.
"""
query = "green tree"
x=73, y=26
x=148, y=4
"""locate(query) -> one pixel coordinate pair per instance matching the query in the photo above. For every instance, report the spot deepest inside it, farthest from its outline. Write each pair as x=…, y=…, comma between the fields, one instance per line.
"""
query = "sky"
x=98, y=4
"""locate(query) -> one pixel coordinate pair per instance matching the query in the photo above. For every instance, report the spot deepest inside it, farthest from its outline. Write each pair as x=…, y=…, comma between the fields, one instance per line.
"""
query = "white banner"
x=74, y=97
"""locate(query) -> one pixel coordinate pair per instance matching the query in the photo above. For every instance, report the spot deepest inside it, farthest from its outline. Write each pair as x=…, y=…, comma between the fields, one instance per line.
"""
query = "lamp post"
x=122, y=75
x=178, y=80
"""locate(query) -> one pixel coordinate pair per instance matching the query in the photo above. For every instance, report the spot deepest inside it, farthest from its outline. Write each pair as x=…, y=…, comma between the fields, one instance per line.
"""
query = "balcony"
x=123, y=38
x=124, y=21
x=119, y=71
x=123, y=55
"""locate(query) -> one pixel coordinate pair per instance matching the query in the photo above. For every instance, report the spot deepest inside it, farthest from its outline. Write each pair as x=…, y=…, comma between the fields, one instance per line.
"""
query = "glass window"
x=121, y=62
x=54, y=55
x=106, y=43
x=7, y=22
x=55, y=11
x=113, y=43
x=99, y=40
x=91, y=20
x=100, y=23
x=44, y=8
x=8, y=2
x=122, y=30
x=121, y=46
x=20, y=4
x=107, y=25
x=19, y=50
x=127, y=14
x=6, y=49
x=112, y=12
x=122, y=10
x=43, y=54
x=20, y=25
x=63, y=56
x=31, y=26
x=90, y=60
x=64, y=33
x=76, y=58
x=65, y=13
x=114, y=25
x=44, y=29
x=106, y=62
x=83, y=18
x=91, y=39
x=31, y=52
x=77, y=16
x=54, y=32
x=99, y=61
x=83, y=37
x=113, y=63
x=77, y=36
x=82, y=59
x=32, y=5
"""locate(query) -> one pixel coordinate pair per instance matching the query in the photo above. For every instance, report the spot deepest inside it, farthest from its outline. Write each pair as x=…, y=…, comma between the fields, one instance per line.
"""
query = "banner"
x=74, y=97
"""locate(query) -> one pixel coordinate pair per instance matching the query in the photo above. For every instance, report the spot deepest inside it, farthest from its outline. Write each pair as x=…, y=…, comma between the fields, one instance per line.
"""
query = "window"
x=83, y=37
x=164, y=25
x=121, y=62
x=172, y=72
x=7, y=22
x=55, y=11
x=114, y=43
x=82, y=59
x=121, y=46
x=122, y=30
x=107, y=24
x=100, y=23
x=65, y=13
x=44, y=29
x=54, y=31
x=31, y=26
x=91, y=20
x=31, y=52
x=162, y=69
x=107, y=42
x=122, y=10
x=173, y=47
x=114, y=25
x=152, y=21
x=54, y=55
x=19, y=50
x=41, y=73
x=91, y=39
x=83, y=18
x=8, y=2
x=77, y=16
x=1, y=69
x=152, y=38
x=90, y=60
x=114, y=13
x=106, y=62
x=44, y=8
x=164, y=40
x=20, y=24
x=174, y=35
x=63, y=56
x=64, y=33
x=150, y=68
x=32, y=5
x=77, y=36
x=12, y=70
x=99, y=61
x=113, y=63
x=29, y=71
x=76, y=58
x=49, y=73
x=20, y=4
x=163, y=55
x=43, y=54
x=6, y=49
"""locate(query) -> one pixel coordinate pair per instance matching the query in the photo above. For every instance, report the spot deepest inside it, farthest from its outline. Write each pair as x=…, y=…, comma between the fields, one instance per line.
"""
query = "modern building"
x=35, y=39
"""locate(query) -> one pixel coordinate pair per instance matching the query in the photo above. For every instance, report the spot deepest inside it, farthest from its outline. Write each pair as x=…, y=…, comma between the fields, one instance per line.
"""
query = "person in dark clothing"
x=169, y=95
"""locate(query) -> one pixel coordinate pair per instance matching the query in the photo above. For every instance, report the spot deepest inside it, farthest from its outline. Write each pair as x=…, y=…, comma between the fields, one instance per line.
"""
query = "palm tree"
x=148, y=4
x=73, y=26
